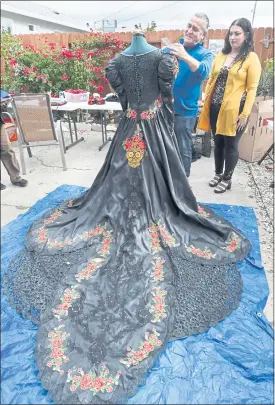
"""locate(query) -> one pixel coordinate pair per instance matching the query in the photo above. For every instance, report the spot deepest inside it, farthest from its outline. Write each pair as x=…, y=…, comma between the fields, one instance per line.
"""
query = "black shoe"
x=216, y=180
x=20, y=183
x=3, y=186
x=223, y=186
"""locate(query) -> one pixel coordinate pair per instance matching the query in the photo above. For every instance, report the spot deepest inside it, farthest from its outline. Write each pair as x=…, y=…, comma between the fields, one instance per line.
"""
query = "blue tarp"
x=232, y=363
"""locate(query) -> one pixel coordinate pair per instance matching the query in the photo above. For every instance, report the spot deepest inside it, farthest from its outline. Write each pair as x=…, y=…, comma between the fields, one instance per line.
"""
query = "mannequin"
x=139, y=46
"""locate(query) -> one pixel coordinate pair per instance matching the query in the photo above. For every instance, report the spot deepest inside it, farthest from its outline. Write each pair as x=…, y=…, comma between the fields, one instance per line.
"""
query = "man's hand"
x=179, y=51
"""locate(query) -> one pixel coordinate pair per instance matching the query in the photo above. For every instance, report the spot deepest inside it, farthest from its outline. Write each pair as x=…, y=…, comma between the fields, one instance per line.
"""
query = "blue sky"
x=166, y=14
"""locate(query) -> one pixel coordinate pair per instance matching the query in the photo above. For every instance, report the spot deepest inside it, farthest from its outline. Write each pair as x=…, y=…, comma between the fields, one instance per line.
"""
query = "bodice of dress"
x=142, y=82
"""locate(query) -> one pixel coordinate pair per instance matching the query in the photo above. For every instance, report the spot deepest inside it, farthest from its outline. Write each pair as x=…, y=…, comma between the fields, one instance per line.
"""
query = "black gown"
x=134, y=262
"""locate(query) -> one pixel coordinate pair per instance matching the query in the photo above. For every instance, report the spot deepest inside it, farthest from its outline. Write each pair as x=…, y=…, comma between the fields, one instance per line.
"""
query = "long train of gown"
x=113, y=275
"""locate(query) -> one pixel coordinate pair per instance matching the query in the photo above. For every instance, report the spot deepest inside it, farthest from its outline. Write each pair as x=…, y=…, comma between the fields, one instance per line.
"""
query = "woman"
x=229, y=96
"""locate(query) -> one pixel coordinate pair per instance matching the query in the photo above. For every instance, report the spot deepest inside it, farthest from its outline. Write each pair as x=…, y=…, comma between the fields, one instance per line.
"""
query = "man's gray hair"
x=203, y=17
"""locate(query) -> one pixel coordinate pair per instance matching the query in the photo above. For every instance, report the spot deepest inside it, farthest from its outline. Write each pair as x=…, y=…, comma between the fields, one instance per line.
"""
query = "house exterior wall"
x=20, y=24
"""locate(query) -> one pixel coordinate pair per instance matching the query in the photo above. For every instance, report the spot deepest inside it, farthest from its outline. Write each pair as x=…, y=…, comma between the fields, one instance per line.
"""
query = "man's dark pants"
x=184, y=127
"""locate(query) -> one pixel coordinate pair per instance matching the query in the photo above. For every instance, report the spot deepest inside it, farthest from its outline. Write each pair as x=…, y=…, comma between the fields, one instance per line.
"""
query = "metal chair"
x=36, y=126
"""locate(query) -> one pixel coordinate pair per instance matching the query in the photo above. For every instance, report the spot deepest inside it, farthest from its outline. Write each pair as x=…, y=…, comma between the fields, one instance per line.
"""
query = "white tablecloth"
x=109, y=106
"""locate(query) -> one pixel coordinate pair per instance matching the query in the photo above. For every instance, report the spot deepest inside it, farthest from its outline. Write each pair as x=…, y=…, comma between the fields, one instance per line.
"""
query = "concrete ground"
x=44, y=173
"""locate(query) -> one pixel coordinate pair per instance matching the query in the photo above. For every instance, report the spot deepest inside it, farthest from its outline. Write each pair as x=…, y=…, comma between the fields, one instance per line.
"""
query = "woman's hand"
x=241, y=123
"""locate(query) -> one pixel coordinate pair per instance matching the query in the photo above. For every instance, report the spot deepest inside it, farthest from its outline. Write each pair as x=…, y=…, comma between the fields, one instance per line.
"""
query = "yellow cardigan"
x=246, y=79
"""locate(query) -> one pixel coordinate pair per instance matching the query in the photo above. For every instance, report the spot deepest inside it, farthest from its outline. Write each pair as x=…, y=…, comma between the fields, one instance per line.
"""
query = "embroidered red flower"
x=98, y=383
x=159, y=300
x=159, y=307
x=57, y=343
x=63, y=306
x=139, y=355
x=68, y=298
x=144, y=115
x=128, y=144
x=76, y=378
x=99, y=89
x=133, y=114
x=148, y=347
x=57, y=353
x=141, y=144
x=86, y=382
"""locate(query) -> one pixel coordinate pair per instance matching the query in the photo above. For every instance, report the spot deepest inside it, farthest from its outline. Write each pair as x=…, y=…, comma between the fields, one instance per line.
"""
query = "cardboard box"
x=259, y=137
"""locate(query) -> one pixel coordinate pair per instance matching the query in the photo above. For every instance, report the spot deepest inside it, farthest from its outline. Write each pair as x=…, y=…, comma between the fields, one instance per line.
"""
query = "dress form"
x=139, y=46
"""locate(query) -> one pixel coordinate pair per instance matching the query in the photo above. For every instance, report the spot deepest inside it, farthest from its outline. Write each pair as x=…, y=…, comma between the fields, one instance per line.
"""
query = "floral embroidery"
x=135, y=149
x=53, y=217
x=154, y=238
x=89, y=270
x=69, y=295
x=205, y=254
x=42, y=232
x=234, y=243
x=154, y=231
x=98, y=231
x=134, y=357
x=70, y=203
x=203, y=212
x=147, y=114
x=158, y=306
x=57, y=338
x=102, y=382
x=169, y=240
x=131, y=113
x=157, y=274
x=105, y=244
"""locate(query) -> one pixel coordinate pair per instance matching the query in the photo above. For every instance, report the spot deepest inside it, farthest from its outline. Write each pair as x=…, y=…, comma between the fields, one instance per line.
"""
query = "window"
x=6, y=25
x=31, y=27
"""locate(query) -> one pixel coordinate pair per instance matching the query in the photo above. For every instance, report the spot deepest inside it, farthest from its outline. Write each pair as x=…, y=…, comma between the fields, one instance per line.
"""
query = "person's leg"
x=231, y=154
x=231, y=158
x=219, y=153
x=9, y=160
x=184, y=127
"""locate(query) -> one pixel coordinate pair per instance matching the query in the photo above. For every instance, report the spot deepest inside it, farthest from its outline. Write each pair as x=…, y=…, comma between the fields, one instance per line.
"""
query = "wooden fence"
x=262, y=37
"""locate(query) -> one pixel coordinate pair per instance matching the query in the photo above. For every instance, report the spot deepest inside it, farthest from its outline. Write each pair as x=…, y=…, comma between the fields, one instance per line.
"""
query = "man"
x=8, y=157
x=194, y=66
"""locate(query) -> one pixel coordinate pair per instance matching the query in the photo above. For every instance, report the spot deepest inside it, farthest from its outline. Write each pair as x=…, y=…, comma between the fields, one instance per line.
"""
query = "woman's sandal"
x=216, y=180
x=223, y=186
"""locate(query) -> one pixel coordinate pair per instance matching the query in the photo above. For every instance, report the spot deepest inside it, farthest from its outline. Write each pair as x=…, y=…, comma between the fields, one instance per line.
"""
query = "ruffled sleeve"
x=167, y=71
x=114, y=77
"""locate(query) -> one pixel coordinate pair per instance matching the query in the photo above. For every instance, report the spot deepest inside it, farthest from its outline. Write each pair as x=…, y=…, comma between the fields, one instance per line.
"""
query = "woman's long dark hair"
x=248, y=45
